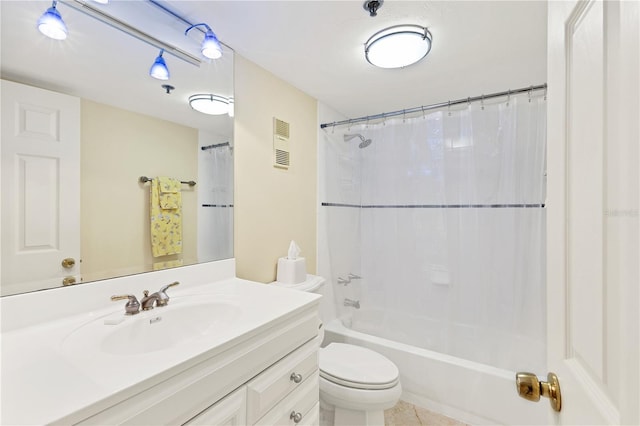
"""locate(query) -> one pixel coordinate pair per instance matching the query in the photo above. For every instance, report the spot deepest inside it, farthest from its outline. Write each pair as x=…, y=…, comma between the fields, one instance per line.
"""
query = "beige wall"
x=272, y=206
x=117, y=148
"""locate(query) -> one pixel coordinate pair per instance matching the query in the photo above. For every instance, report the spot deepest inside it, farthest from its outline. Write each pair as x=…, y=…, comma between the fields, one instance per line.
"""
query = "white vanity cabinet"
x=270, y=377
x=284, y=394
x=230, y=411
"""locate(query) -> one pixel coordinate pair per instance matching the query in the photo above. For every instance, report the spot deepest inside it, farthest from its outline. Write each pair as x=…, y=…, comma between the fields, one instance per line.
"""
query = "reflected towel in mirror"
x=166, y=223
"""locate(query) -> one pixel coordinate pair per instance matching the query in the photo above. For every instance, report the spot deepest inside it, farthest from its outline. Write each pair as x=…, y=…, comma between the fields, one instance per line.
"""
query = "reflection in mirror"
x=82, y=121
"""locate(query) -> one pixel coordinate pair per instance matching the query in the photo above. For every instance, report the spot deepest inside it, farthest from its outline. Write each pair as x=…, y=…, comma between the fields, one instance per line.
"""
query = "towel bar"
x=144, y=179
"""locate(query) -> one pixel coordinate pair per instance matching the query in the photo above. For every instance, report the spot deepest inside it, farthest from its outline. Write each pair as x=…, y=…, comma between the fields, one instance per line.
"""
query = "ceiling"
x=317, y=46
x=479, y=47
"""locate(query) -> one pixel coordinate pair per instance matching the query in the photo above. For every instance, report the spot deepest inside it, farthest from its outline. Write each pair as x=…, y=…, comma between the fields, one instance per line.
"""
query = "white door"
x=40, y=188
x=592, y=224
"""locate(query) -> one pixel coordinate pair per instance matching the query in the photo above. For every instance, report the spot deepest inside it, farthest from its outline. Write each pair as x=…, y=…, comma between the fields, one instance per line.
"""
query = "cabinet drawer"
x=279, y=380
x=300, y=401
x=311, y=417
x=230, y=411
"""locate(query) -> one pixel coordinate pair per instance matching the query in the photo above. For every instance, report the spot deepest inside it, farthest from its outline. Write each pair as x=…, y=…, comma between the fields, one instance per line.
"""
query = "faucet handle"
x=132, y=307
x=173, y=284
x=163, y=297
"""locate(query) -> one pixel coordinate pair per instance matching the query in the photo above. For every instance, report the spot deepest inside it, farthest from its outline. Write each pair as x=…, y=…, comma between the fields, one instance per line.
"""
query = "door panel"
x=40, y=187
x=592, y=122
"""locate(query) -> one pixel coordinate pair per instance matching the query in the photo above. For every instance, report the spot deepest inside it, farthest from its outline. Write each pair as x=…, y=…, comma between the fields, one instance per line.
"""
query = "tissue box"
x=292, y=271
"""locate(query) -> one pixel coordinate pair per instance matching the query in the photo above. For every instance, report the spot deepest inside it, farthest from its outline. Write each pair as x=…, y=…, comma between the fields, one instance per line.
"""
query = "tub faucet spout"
x=352, y=303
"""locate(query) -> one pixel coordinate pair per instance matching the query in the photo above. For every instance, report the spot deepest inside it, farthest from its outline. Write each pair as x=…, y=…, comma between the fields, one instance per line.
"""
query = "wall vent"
x=281, y=151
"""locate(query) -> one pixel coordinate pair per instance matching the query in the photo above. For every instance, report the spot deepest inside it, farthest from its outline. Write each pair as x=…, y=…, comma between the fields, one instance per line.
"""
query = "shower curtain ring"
x=404, y=118
x=449, y=109
x=482, y=102
x=545, y=92
x=508, y=96
x=423, y=115
x=529, y=93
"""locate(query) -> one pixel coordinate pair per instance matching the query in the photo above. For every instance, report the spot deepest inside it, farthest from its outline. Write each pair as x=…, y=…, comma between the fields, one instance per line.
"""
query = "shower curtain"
x=442, y=218
x=216, y=203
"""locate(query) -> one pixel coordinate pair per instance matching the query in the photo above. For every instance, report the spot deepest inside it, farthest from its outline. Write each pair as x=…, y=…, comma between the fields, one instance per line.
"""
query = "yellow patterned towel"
x=166, y=223
x=170, y=196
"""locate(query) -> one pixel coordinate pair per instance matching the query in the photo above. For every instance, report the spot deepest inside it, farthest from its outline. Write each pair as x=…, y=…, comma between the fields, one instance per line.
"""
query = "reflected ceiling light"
x=208, y=103
x=211, y=47
x=51, y=23
x=159, y=68
x=398, y=46
x=102, y=1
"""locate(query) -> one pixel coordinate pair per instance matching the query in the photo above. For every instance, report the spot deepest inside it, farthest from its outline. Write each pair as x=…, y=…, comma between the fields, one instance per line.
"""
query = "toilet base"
x=330, y=415
x=344, y=417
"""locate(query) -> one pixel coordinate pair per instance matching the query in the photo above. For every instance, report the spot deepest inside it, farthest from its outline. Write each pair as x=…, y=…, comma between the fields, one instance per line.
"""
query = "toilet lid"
x=357, y=367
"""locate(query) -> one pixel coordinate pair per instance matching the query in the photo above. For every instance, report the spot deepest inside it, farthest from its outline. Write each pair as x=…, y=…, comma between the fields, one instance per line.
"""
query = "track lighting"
x=51, y=23
x=211, y=47
x=159, y=68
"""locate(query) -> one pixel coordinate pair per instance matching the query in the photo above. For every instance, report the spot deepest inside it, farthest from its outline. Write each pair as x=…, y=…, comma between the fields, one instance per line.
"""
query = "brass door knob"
x=68, y=280
x=68, y=263
x=530, y=388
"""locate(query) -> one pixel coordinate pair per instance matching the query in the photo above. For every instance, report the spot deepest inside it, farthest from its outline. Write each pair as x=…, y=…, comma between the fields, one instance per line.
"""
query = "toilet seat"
x=357, y=367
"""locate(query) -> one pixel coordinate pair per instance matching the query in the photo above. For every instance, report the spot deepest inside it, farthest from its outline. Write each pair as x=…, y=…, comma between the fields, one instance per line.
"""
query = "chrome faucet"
x=132, y=307
x=352, y=303
x=148, y=300
x=163, y=297
x=160, y=297
x=350, y=277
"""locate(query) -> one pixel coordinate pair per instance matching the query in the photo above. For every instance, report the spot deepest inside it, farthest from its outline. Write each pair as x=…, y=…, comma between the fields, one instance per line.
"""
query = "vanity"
x=223, y=351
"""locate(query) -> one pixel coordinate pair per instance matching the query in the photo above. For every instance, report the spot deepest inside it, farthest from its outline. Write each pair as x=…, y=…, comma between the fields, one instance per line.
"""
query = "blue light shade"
x=159, y=68
x=211, y=47
x=52, y=25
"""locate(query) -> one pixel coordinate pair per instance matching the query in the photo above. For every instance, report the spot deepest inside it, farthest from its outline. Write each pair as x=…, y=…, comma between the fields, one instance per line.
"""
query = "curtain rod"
x=217, y=145
x=435, y=106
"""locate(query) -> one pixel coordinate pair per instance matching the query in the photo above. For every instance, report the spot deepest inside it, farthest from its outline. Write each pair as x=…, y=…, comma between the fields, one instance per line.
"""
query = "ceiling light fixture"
x=51, y=23
x=159, y=68
x=398, y=46
x=208, y=103
x=211, y=47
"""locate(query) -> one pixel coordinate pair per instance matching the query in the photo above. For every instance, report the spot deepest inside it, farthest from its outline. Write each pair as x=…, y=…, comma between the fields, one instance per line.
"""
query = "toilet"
x=356, y=384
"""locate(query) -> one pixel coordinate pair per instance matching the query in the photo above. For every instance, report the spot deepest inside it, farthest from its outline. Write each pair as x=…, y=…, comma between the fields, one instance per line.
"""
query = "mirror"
x=129, y=126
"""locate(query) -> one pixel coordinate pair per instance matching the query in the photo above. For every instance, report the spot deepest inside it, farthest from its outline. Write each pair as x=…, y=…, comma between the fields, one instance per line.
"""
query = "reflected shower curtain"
x=216, y=207
x=442, y=216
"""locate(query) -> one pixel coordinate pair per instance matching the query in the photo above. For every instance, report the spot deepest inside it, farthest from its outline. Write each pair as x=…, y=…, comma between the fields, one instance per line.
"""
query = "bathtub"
x=468, y=391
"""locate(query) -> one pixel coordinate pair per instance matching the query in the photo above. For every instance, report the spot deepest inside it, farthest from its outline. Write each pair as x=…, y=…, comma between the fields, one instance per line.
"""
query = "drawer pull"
x=296, y=378
x=296, y=417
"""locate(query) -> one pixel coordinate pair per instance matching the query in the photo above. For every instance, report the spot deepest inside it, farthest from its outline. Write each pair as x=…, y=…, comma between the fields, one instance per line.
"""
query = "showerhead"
x=364, y=142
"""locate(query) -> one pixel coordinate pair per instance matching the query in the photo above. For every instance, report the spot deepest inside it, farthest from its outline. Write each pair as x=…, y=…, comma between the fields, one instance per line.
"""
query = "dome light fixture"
x=211, y=47
x=51, y=23
x=208, y=103
x=398, y=46
x=159, y=68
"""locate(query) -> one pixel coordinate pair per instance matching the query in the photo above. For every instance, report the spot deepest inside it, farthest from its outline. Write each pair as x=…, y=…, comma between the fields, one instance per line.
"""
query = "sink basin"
x=155, y=330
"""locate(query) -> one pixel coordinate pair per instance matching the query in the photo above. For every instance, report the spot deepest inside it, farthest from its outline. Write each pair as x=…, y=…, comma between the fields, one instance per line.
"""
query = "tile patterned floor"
x=405, y=414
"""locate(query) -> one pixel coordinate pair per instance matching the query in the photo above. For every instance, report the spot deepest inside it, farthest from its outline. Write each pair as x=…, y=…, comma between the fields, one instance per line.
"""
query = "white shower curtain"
x=215, y=219
x=442, y=216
